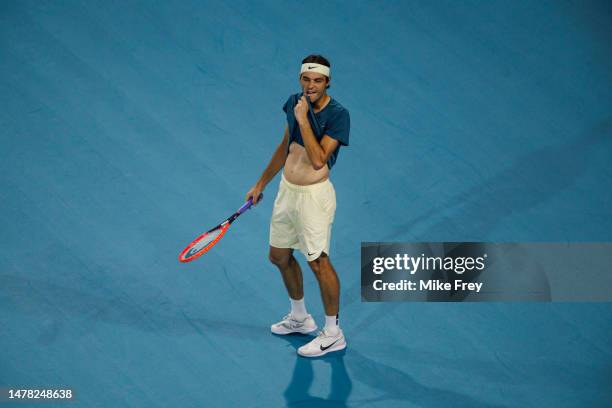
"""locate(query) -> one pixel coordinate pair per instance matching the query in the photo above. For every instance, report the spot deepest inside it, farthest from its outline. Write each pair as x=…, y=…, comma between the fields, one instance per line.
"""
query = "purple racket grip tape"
x=249, y=204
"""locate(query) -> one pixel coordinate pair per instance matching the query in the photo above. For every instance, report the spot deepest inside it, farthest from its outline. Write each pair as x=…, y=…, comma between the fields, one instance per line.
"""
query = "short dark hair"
x=318, y=59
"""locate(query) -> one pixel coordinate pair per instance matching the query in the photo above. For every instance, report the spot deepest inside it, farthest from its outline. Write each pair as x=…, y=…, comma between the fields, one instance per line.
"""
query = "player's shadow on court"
x=297, y=393
x=392, y=384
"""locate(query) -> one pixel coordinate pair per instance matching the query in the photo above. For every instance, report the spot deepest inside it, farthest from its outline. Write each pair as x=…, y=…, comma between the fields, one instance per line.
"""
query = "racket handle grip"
x=249, y=204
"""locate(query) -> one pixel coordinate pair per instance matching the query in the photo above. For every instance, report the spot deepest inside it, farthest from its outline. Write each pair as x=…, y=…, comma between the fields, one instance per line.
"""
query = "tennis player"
x=317, y=125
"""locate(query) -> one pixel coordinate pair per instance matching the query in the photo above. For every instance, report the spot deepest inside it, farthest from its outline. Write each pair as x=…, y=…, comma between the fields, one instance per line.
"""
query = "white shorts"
x=302, y=217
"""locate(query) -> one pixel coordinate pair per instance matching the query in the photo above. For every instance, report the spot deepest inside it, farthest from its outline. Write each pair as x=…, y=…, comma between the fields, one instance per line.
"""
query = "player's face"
x=314, y=85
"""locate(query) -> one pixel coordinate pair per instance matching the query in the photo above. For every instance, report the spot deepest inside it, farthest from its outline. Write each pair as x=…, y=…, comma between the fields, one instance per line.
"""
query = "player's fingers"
x=259, y=196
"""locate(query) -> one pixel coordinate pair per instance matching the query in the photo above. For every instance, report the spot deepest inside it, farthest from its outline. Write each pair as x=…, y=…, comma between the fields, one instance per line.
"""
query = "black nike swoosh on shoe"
x=325, y=348
x=309, y=254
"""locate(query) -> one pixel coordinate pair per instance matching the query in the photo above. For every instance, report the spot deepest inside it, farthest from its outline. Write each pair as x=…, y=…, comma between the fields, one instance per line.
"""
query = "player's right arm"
x=276, y=163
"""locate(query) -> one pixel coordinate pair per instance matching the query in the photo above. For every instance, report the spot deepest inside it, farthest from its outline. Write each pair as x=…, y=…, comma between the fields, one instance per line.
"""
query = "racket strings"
x=207, y=239
x=204, y=242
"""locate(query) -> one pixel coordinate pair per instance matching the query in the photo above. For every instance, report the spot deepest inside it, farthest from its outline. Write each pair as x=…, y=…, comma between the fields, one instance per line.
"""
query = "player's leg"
x=329, y=284
x=298, y=320
x=331, y=338
x=317, y=216
x=290, y=271
x=283, y=237
x=316, y=224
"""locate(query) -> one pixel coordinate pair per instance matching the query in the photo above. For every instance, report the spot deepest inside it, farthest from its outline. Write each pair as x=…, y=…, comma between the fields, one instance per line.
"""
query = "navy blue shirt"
x=333, y=120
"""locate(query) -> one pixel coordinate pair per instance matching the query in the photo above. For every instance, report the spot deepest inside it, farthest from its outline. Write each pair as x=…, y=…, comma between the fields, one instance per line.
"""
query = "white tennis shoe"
x=322, y=344
x=289, y=325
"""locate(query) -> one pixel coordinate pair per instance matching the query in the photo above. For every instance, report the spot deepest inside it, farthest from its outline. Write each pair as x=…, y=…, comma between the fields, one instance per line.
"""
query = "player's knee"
x=279, y=260
x=315, y=266
x=319, y=265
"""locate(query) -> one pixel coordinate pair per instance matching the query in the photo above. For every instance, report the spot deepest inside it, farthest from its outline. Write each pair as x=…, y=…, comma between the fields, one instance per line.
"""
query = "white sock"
x=298, y=309
x=331, y=324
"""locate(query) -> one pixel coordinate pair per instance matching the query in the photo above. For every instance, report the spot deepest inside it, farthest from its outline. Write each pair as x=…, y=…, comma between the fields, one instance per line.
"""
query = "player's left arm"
x=318, y=152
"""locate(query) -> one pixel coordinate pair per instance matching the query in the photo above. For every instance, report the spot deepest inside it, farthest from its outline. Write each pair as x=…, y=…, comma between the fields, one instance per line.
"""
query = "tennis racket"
x=207, y=240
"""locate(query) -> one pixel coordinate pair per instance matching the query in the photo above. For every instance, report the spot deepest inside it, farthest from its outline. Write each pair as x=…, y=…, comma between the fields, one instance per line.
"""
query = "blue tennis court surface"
x=128, y=128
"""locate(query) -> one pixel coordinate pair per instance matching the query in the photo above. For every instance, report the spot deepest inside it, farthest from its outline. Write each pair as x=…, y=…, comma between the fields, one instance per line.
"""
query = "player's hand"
x=254, y=193
x=301, y=110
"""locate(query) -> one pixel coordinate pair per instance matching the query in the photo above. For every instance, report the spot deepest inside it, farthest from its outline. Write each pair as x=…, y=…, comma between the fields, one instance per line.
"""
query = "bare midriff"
x=299, y=170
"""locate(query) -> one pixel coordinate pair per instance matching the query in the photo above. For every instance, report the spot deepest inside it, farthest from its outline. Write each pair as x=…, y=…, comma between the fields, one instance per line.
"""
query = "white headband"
x=314, y=67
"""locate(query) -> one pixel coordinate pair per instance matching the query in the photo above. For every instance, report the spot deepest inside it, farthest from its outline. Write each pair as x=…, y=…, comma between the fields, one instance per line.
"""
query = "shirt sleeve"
x=339, y=127
x=288, y=109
